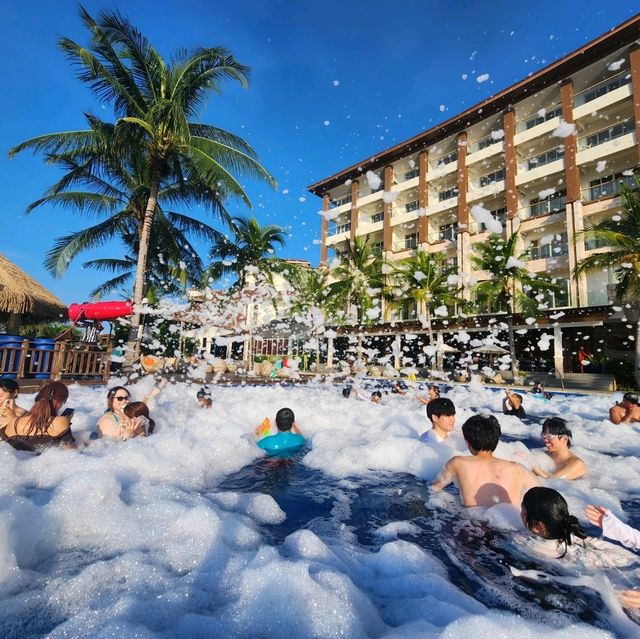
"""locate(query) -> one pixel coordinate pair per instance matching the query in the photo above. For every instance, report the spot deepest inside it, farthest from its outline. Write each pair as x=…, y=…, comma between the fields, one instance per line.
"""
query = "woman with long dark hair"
x=42, y=426
x=110, y=425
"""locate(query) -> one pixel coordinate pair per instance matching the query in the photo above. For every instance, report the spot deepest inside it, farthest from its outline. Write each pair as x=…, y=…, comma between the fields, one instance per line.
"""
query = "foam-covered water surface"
x=193, y=532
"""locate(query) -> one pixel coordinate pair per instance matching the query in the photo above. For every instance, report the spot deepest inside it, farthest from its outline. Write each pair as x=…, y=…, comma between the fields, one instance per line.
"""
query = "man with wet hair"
x=442, y=414
x=483, y=479
x=627, y=411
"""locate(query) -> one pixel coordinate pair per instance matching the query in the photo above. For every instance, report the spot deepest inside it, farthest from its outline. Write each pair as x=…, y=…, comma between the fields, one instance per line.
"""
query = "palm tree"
x=510, y=287
x=313, y=290
x=155, y=101
x=622, y=235
x=423, y=280
x=359, y=279
x=251, y=247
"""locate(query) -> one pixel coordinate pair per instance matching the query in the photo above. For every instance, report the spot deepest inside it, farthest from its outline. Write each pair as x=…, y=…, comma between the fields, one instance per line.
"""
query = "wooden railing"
x=66, y=361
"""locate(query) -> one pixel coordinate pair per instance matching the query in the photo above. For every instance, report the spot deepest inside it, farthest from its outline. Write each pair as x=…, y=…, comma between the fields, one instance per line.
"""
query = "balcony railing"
x=340, y=201
x=530, y=123
x=479, y=227
x=544, y=158
x=409, y=175
x=340, y=228
x=377, y=217
x=606, y=135
x=548, y=250
x=445, y=235
x=443, y=160
x=409, y=242
x=608, y=188
x=483, y=143
x=595, y=243
x=448, y=194
x=546, y=207
x=491, y=178
x=602, y=88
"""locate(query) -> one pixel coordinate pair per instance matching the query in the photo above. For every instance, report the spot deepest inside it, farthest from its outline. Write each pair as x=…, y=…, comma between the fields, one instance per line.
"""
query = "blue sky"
x=332, y=83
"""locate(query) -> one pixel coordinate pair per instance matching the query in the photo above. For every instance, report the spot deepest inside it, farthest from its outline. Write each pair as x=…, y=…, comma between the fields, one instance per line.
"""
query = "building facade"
x=545, y=156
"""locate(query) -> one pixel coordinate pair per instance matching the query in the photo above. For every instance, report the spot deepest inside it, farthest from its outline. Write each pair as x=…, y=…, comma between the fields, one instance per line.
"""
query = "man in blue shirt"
x=285, y=440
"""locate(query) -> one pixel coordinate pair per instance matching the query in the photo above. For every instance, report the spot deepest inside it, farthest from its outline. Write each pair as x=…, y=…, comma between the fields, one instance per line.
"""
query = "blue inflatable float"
x=284, y=441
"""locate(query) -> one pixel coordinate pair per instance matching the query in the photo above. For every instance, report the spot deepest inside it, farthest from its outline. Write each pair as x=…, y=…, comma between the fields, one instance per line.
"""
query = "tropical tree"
x=359, y=280
x=424, y=280
x=154, y=102
x=622, y=235
x=250, y=248
x=312, y=288
x=510, y=287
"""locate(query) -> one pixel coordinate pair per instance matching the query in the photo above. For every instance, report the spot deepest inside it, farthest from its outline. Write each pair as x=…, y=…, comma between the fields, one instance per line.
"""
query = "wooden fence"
x=65, y=361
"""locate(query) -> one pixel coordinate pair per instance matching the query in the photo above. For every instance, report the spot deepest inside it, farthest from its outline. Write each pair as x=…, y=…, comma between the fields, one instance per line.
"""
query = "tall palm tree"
x=359, y=279
x=155, y=102
x=622, y=235
x=510, y=287
x=251, y=247
x=423, y=280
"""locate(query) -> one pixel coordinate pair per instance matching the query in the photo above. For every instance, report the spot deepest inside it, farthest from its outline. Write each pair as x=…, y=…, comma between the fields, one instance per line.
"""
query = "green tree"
x=622, y=235
x=510, y=287
x=155, y=102
x=251, y=247
x=423, y=280
x=312, y=288
x=359, y=280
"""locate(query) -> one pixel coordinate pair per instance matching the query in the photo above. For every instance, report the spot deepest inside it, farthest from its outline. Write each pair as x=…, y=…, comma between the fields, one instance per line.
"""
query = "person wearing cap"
x=627, y=411
x=557, y=440
x=42, y=426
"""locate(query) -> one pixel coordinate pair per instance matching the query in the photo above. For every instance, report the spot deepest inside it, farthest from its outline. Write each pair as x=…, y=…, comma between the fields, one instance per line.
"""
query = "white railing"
x=542, y=159
x=340, y=228
x=532, y=122
x=545, y=207
x=602, y=88
x=606, y=134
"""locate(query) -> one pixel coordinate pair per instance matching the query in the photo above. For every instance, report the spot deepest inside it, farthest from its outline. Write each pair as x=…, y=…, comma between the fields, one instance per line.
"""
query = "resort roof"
x=23, y=295
x=622, y=35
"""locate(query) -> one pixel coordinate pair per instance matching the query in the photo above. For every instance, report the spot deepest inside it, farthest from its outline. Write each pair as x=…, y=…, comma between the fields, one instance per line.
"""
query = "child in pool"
x=288, y=436
x=204, y=397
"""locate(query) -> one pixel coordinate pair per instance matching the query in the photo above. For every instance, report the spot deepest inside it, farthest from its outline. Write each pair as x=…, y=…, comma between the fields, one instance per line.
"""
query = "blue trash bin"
x=42, y=357
x=10, y=358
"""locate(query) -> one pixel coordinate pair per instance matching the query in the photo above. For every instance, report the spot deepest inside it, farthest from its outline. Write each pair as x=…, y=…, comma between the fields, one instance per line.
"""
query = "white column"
x=558, y=358
x=329, y=352
x=397, y=351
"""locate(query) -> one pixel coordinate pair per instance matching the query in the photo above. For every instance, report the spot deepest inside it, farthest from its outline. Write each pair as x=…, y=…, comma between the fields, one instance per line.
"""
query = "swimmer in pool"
x=442, y=414
x=288, y=436
x=433, y=392
x=376, y=397
x=627, y=411
x=557, y=440
x=204, y=397
x=483, y=479
x=512, y=404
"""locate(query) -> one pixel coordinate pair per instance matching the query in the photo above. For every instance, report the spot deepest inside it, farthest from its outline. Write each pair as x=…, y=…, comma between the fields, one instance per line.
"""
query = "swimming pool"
x=192, y=532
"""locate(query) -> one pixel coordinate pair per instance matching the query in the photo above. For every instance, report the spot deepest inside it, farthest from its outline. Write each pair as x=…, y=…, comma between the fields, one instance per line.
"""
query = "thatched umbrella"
x=21, y=295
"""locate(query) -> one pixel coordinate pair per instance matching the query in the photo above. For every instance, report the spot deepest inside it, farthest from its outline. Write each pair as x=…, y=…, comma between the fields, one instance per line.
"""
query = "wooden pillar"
x=326, y=200
x=510, y=163
x=355, y=187
x=572, y=176
x=387, y=234
x=13, y=324
x=423, y=196
x=634, y=62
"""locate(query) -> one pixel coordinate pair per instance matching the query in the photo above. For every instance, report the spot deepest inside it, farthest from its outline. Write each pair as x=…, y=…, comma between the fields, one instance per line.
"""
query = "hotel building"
x=512, y=155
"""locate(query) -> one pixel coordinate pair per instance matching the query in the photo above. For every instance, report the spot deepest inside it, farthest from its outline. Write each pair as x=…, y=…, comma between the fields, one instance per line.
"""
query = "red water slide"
x=99, y=310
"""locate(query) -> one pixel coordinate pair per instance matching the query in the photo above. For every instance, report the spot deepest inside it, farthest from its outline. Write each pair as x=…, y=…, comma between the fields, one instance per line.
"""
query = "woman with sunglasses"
x=111, y=424
x=557, y=440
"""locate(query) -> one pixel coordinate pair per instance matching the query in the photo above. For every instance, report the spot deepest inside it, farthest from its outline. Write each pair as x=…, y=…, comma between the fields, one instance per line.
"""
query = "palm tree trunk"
x=135, y=334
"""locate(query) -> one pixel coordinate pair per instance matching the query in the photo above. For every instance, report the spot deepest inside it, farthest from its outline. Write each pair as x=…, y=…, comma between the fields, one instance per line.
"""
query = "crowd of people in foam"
x=483, y=479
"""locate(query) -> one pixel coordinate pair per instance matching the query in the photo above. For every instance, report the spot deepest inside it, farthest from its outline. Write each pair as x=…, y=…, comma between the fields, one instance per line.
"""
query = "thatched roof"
x=21, y=294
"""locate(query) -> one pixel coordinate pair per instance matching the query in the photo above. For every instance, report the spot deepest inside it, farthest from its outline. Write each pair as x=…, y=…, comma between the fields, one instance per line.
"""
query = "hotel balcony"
x=486, y=185
x=540, y=165
x=406, y=180
x=536, y=126
x=603, y=94
x=607, y=141
x=484, y=148
x=338, y=233
x=443, y=165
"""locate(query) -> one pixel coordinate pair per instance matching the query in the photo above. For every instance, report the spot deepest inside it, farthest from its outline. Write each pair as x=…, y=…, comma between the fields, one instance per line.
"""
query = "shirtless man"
x=626, y=411
x=483, y=479
x=8, y=392
x=557, y=439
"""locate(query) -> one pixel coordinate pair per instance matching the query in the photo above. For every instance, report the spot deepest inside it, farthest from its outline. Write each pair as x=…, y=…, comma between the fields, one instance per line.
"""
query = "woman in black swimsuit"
x=42, y=426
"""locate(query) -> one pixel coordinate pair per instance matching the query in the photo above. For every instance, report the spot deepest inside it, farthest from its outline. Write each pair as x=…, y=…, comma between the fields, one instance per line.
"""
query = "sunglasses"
x=122, y=398
x=550, y=436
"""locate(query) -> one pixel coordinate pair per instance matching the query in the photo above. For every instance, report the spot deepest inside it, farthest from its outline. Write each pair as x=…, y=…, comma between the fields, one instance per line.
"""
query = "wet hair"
x=518, y=396
x=139, y=409
x=44, y=408
x=549, y=508
x=482, y=432
x=557, y=426
x=285, y=419
x=376, y=394
x=346, y=392
x=9, y=385
x=630, y=397
x=112, y=392
x=435, y=389
x=440, y=406
x=204, y=393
